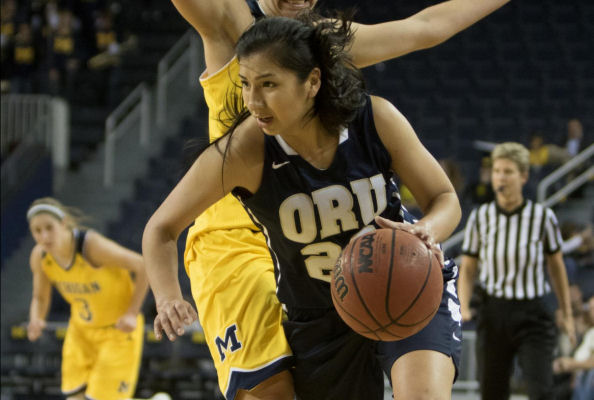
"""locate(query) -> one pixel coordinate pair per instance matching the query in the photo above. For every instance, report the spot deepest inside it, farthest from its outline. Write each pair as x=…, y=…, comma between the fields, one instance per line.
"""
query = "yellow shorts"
x=102, y=362
x=233, y=285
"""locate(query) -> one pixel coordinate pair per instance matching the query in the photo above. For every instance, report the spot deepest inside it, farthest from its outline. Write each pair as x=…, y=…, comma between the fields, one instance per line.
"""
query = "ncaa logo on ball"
x=365, y=254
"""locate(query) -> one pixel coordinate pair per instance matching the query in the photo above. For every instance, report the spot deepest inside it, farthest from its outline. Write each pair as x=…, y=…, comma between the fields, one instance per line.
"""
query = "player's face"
x=274, y=95
x=286, y=8
x=47, y=231
x=506, y=177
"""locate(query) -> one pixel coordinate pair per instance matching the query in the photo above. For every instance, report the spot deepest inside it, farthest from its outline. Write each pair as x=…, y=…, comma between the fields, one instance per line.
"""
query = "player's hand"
x=126, y=323
x=420, y=230
x=172, y=316
x=35, y=329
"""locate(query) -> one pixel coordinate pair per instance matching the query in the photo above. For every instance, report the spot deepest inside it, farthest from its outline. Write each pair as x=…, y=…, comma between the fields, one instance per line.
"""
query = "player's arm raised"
x=425, y=29
x=219, y=23
x=201, y=187
x=419, y=171
x=41, y=298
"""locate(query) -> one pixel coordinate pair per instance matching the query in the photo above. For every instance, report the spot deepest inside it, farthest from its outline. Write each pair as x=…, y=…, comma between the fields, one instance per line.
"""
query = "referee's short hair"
x=513, y=151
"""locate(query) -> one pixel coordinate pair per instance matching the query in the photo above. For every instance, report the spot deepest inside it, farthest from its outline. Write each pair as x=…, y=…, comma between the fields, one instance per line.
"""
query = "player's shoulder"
x=379, y=103
x=384, y=111
x=246, y=131
x=249, y=138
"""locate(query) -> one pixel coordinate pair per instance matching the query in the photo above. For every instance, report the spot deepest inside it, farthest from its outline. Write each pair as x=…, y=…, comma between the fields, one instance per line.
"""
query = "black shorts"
x=334, y=362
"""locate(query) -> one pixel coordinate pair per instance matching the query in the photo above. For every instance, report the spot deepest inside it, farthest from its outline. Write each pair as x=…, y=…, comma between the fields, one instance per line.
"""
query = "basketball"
x=387, y=285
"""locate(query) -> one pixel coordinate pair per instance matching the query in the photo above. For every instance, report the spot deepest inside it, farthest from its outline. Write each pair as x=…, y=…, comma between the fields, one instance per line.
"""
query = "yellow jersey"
x=227, y=213
x=98, y=295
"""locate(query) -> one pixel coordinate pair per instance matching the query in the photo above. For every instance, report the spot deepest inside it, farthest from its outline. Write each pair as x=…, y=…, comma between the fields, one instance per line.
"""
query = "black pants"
x=510, y=328
x=332, y=362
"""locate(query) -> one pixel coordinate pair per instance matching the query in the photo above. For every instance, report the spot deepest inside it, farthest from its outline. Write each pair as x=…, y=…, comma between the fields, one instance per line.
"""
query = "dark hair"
x=302, y=44
x=299, y=45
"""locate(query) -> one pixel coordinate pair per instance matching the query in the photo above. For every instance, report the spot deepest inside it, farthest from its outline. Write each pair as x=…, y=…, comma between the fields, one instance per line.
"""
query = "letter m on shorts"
x=230, y=343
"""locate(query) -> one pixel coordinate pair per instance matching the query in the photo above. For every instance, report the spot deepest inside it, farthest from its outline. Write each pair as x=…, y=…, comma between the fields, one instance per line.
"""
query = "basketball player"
x=226, y=256
x=312, y=159
x=103, y=343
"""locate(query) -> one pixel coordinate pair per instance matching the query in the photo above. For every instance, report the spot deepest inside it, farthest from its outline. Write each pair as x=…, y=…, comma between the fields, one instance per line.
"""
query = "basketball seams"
x=345, y=311
x=387, y=295
x=354, y=281
x=355, y=310
x=336, y=301
x=418, y=295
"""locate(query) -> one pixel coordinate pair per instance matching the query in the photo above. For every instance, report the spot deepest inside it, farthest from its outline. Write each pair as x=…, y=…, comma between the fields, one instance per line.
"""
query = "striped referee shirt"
x=510, y=247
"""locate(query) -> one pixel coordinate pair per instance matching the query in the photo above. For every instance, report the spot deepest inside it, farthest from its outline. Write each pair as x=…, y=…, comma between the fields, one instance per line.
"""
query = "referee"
x=508, y=242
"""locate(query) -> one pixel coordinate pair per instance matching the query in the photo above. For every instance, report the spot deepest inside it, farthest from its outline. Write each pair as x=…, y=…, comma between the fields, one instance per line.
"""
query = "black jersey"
x=308, y=215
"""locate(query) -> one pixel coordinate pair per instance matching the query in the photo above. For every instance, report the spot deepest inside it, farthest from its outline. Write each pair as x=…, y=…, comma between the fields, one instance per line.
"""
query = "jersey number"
x=84, y=312
x=321, y=260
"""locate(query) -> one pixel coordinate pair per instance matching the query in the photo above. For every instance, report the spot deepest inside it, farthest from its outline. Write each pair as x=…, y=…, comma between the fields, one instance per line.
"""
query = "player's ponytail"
x=305, y=43
x=300, y=45
x=342, y=91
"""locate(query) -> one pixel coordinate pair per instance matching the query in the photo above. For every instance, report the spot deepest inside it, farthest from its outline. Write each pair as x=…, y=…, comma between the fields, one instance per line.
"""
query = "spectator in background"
x=572, y=147
x=106, y=63
x=87, y=11
x=545, y=154
x=575, y=134
x=581, y=364
x=24, y=61
x=481, y=190
x=544, y=158
x=64, y=53
x=7, y=32
x=7, y=20
x=576, y=297
x=563, y=380
x=576, y=243
x=539, y=152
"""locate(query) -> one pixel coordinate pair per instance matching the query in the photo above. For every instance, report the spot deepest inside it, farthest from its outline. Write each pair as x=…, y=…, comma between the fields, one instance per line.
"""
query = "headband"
x=45, y=208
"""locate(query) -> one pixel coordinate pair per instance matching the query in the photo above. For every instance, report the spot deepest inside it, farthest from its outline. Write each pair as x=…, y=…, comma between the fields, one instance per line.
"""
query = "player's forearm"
x=445, y=19
x=140, y=290
x=39, y=308
x=442, y=216
x=428, y=28
x=160, y=255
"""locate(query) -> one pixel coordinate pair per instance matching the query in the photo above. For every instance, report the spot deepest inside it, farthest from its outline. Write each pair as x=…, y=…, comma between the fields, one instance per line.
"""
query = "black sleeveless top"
x=308, y=215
